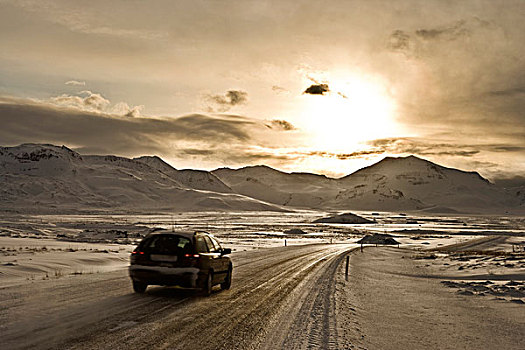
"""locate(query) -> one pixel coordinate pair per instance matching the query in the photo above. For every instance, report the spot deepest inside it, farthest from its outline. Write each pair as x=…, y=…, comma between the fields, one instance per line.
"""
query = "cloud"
x=199, y=140
x=26, y=120
x=237, y=155
x=492, y=160
x=122, y=108
x=406, y=145
x=88, y=20
x=399, y=41
x=456, y=30
x=340, y=156
x=464, y=75
x=281, y=125
x=317, y=89
x=227, y=101
x=94, y=102
x=414, y=42
x=87, y=100
x=75, y=83
x=280, y=89
x=511, y=91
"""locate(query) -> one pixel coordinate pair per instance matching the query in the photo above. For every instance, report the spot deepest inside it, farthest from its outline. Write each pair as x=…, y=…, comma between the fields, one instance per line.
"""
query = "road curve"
x=280, y=298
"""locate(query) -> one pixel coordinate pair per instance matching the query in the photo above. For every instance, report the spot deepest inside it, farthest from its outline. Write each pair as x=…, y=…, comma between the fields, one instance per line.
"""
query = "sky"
x=308, y=86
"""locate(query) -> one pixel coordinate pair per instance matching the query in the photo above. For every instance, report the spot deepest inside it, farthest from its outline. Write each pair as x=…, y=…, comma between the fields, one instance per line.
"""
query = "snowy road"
x=281, y=298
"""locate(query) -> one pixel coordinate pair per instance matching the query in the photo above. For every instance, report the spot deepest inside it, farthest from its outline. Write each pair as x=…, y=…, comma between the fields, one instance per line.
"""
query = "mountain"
x=47, y=178
x=419, y=184
x=197, y=179
x=270, y=185
x=404, y=183
x=518, y=193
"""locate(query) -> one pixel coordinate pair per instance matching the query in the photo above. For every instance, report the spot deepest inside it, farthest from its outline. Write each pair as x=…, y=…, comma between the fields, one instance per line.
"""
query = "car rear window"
x=167, y=244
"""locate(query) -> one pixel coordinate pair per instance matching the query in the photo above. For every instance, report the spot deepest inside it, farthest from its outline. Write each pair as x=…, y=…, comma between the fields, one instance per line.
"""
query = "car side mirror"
x=226, y=251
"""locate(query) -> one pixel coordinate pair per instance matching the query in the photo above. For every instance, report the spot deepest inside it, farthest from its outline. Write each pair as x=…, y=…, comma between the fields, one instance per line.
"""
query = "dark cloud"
x=227, y=101
x=340, y=156
x=27, y=121
x=507, y=148
x=222, y=128
x=320, y=88
x=196, y=152
x=237, y=156
x=281, y=124
x=399, y=41
x=452, y=32
x=317, y=89
x=411, y=42
x=422, y=147
x=453, y=149
x=509, y=92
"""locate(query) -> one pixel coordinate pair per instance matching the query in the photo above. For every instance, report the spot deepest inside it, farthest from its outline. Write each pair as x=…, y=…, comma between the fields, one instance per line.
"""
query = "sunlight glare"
x=356, y=110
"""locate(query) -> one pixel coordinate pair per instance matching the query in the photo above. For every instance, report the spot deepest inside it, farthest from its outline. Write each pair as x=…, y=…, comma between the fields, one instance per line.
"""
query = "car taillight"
x=136, y=252
x=191, y=255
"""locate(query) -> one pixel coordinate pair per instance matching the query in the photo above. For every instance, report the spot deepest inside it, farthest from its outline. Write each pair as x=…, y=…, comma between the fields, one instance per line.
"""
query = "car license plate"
x=160, y=257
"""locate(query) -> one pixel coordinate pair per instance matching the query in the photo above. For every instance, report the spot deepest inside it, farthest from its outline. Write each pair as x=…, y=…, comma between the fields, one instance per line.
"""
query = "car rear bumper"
x=165, y=276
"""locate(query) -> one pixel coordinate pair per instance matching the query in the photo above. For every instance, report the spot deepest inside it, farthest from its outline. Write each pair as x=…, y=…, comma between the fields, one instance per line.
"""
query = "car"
x=185, y=259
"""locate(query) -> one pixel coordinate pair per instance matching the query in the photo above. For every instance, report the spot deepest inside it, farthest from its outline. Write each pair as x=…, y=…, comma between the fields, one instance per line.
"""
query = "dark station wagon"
x=185, y=259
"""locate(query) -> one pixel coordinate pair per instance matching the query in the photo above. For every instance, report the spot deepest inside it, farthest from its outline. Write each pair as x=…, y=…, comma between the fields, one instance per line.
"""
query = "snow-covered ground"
x=398, y=299
x=24, y=260
x=50, y=246
x=447, y=272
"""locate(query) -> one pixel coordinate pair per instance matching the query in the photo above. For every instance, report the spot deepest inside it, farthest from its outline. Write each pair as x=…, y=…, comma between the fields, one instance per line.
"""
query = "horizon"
x=301, y=87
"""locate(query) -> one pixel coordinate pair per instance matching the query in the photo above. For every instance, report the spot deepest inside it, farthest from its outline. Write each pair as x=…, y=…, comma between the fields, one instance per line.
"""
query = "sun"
x=355, y=110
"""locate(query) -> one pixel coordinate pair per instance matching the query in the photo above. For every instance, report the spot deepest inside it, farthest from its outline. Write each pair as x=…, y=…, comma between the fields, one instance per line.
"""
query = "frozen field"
x=50, y=246
x=449, y=271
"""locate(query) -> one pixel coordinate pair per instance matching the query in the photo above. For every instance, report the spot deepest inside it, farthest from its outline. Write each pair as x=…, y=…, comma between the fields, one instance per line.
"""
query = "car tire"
x=139, y=287
x=208, y=284
x=228, y=280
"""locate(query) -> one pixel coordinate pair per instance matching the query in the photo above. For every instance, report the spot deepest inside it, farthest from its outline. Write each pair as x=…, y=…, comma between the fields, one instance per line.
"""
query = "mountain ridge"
x=60, y=178
x=197, y=179
x=48, y=178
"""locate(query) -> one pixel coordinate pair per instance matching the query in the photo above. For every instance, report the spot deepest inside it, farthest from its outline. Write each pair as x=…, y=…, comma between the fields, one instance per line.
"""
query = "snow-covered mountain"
x=265, y=183
x=47, y=178
x=406, y=183
x=50, y=178
x=420, y=184
x=197, y=179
